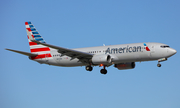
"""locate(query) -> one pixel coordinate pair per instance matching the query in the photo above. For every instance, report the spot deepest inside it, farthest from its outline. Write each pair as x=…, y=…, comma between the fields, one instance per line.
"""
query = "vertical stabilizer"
x=33, y=34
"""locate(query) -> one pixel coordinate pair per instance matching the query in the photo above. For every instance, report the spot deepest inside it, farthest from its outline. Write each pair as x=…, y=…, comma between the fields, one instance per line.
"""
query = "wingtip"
x=8, y=49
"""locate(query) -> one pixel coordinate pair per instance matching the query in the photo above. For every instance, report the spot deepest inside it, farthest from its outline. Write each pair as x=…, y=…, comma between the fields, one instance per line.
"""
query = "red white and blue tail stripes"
x=42, y=51
x=147, y=48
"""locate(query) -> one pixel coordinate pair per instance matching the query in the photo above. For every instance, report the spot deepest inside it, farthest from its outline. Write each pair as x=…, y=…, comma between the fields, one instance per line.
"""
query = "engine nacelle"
x=123, y=66
x=101, y=59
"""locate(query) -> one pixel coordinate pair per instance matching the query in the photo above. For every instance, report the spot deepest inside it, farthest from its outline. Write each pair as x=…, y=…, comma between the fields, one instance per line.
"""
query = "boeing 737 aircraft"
x=121, y=56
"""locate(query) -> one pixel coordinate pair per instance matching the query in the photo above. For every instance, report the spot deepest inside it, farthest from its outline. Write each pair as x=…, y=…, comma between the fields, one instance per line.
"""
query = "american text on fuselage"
x=127, y=49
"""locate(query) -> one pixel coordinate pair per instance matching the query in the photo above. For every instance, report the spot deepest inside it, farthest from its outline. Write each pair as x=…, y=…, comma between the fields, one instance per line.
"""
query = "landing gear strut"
x=103, y=71
x=161, y=60
x=89, y=68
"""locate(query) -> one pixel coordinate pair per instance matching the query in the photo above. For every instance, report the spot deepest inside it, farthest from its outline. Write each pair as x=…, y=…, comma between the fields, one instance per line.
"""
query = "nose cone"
x=172, y=51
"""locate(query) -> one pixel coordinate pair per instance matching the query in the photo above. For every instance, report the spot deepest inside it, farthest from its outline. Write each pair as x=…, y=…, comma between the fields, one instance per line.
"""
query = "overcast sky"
x=85, y=23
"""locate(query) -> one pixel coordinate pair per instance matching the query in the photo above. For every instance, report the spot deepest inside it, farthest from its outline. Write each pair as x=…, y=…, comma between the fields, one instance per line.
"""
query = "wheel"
x=103, y=71
x=89, y=68
x=159, y=65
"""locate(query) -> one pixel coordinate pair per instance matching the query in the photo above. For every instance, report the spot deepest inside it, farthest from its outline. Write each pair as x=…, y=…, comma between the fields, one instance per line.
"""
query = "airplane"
x=122, y=56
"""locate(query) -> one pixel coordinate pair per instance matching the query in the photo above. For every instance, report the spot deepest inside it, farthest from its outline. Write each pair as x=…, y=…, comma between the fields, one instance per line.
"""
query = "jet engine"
x=101, y=59
x=123, y=66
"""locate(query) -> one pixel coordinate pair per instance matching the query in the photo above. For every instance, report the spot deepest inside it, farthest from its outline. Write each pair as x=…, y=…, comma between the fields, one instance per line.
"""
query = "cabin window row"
x=56, y=55
x=95, y=52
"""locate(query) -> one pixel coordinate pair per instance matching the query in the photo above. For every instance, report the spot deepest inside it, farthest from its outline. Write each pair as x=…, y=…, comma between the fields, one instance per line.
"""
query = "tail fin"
x=34, y=47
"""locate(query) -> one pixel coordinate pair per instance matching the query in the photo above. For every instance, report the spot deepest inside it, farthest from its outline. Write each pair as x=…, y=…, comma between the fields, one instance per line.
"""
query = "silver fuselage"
x=122, y=53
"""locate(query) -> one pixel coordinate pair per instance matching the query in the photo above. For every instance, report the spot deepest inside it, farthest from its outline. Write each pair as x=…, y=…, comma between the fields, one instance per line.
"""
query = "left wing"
x=68, y=52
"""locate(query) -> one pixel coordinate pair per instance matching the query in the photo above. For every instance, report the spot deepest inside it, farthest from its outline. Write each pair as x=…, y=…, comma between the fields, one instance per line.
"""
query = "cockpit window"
x=164, y=46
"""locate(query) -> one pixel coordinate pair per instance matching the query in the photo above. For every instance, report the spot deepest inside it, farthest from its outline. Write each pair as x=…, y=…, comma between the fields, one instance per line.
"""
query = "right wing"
x=22, y=52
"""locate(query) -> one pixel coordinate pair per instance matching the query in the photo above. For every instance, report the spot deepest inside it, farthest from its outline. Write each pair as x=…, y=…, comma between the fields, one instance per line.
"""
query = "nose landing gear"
x=161, y=60
x=158, y=65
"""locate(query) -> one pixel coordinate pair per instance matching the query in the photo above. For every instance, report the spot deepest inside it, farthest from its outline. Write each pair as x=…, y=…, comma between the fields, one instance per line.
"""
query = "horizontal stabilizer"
x=22, y=52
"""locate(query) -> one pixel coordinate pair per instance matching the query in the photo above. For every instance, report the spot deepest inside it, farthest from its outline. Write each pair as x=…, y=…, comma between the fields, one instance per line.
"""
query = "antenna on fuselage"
x=104, y=45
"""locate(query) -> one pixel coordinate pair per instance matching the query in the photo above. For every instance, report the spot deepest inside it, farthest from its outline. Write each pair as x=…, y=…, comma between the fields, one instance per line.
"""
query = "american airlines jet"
x=122, y=56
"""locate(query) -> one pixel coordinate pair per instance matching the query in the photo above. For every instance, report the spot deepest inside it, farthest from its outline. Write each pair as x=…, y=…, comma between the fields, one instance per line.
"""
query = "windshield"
x=164, y=46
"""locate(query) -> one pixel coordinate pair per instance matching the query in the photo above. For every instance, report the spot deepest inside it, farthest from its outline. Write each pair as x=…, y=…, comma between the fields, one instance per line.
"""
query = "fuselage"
x=122, y=53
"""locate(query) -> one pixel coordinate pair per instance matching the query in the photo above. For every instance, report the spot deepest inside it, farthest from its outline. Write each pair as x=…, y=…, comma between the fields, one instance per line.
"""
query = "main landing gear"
x=89, y=68
x=103, y=71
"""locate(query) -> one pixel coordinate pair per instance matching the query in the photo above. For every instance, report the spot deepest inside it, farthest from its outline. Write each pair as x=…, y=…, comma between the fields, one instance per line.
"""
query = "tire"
x=89, y=68
x=158, y=65
x=103, y=71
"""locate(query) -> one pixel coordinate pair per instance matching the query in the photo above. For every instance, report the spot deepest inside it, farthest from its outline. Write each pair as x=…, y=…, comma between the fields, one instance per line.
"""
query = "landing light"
x=100, y=65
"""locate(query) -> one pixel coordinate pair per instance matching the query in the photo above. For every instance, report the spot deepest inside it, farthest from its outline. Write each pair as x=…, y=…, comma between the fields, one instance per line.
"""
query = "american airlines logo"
x=123, y=50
